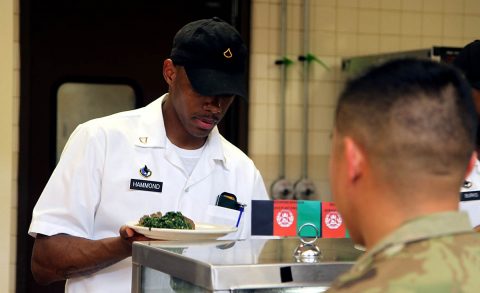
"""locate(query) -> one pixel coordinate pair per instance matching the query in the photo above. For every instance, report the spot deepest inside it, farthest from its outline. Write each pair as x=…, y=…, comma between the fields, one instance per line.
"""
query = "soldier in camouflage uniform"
x=468, y=61
x=402, y=145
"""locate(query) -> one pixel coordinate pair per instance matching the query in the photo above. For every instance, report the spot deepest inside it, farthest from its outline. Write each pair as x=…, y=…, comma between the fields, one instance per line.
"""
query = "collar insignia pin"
x=145, y=172
x=143, y=139
x=228, y=54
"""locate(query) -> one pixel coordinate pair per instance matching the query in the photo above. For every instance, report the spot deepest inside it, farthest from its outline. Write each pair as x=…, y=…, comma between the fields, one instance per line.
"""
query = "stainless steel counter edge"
x=270, y=275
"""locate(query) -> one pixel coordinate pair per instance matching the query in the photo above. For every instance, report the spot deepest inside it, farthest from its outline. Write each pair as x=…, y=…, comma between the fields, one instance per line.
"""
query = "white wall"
x=338, y=29
x=9, y=96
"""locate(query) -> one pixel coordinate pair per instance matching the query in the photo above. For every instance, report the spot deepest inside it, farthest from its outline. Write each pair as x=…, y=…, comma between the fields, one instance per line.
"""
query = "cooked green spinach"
x=171, y=220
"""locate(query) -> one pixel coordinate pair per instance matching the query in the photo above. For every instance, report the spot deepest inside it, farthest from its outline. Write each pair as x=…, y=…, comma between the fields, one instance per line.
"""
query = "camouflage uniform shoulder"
x=449, y=263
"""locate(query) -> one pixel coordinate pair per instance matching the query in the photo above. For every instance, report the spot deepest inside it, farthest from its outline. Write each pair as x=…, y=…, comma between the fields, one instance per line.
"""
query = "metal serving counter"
x=255, y=265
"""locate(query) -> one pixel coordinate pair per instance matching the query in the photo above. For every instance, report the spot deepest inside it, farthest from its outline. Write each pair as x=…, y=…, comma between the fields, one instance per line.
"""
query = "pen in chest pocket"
x=242, y=207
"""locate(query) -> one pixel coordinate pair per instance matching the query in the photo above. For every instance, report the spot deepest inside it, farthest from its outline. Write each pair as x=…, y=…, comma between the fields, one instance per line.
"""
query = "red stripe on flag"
x=332, y=223
x=285, y=218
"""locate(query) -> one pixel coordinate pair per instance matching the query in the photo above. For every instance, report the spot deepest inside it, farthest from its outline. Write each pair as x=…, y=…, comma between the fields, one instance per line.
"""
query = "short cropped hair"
x=411, y=115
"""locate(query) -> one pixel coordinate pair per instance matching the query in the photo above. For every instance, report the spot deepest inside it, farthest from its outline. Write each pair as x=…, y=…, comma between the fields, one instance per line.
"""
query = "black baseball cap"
x=214, y=56
x=468, y=60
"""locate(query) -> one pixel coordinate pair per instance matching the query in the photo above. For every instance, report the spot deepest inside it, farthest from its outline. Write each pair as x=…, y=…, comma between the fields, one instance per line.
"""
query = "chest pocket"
x=222, y=216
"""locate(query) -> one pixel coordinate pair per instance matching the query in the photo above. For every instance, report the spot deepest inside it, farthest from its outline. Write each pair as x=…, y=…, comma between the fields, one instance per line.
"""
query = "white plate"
x=201, y=232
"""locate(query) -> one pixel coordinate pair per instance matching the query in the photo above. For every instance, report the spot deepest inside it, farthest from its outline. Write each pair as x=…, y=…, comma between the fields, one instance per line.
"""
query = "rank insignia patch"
x=228, y=54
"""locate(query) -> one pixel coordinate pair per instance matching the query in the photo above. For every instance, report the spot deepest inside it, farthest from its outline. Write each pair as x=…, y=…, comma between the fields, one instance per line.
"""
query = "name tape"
x=470, y=195
x=145, y=185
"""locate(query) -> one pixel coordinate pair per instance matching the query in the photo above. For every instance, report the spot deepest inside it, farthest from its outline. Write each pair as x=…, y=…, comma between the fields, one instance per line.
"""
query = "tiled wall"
x=338, y=29
x=9, y=97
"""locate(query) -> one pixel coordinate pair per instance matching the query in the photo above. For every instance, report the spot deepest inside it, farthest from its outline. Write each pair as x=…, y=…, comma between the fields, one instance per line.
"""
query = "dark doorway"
x=98, y=42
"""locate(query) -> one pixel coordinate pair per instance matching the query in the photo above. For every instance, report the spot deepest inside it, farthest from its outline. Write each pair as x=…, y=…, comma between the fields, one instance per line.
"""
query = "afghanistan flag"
x=287, y=217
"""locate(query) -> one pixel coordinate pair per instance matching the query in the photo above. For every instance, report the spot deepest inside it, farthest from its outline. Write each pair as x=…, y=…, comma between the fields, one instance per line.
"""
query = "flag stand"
x=308, y=251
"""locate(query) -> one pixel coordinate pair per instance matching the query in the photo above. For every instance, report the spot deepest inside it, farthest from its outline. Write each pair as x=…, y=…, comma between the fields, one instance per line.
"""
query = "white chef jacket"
x=470, y=196
x=89, y=194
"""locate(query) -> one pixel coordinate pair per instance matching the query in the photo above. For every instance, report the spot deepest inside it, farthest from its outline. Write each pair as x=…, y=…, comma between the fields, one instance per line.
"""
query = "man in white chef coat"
x=167, y=156
x=468, y=61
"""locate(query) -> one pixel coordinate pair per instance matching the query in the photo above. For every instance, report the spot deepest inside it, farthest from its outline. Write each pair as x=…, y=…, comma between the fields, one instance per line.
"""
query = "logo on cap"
x=228, y=54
